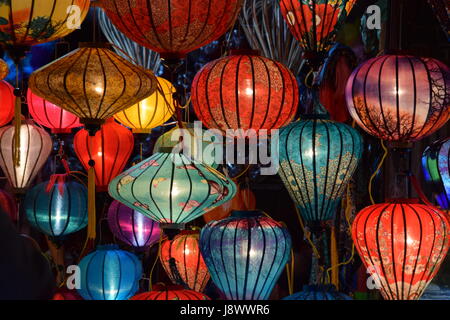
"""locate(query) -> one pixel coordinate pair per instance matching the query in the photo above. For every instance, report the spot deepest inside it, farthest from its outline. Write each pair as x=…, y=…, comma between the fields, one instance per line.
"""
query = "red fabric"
x=7, y=102
x=170, y=293
x=8, y=205
x=58, y=179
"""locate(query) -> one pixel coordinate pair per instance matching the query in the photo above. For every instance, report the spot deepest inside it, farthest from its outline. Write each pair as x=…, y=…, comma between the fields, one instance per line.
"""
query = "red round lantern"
x=7, y=99
x=8, y=205
x=183, y=262
x=162, y=292
x=399, y=98
x=172, y=27
x=50, y=115
x=245, y=91
x=402, y=245
x=110, y=149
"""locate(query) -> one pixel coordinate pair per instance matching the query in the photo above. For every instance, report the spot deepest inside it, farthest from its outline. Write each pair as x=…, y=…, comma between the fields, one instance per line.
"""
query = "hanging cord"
x=17, y=117
x=377, y=170
x=307, y=234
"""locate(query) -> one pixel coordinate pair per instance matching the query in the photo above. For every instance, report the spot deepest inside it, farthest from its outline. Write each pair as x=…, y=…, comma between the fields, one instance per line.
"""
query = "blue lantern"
x=57, y=207
x=245, y=254
x=109, y=274
x=318, y=292
x=317, y=159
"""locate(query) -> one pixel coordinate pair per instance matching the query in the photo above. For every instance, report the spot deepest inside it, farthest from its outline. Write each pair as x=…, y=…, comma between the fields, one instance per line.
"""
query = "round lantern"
x=6, y=102
x=163, y=292
x=150, y=112
x=435, y=164
x=132, y=227
x=402, y=245
x=399, y=98
x=4, y=69
x=110, y=149
x=57, y=207
x=34, y=150
x=315, y=292
x=245, y=254
x=93, y=83
x=8, y=205
x=172, y=27
x=171, y=189
x=245, y=91
x=51, y=116
x=317, y=159
x=183, y=262
x=109, y=274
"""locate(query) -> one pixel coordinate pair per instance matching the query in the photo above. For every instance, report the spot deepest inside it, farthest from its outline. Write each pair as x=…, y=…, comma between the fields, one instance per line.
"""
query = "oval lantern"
x=163, y=292
x=435, y=164
x=171, y=189
x=402, y=245
x=4, y=69
x=318, y=292
x=8, y=205
x=183, y=262
x=132, y=227
x=245, y=254
x=110, y=149
x=317, y=159
x=399, y=98
x=34, y=150
x=57, y=207
x=150, y=112
x=109, y=274
x=172, y=28
x=245, y=91
x=51, y=116
x=7, y=103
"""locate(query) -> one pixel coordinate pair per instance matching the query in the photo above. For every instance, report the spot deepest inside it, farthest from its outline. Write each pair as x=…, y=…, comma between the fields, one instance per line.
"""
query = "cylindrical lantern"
x=402, y=245
x=34, y=150
x=8, y=205
x=51, y=116
x=435, y=164
x=183, y=262
x=321, y=292
x=245, y=254
x=399, y=98
x=6, y=102
x=245, y=91
x=171, y=189
x=109, y=274
x=110, y=149
x=57, y=207
x=163, y=292
x=172, y=27
x=132, y=227
x=317, y=159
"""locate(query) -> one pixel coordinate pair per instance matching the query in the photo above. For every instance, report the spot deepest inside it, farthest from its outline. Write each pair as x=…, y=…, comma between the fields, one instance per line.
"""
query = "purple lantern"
x=131, y=226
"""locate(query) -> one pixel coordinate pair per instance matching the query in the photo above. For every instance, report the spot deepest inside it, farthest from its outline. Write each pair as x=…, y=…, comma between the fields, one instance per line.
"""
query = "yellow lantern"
x=4, y=69
x=150, y=112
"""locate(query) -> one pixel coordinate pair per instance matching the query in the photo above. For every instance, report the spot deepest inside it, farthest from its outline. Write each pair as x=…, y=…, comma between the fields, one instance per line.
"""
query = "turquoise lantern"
x=318, y=292
x=57, y=207
x=317, y=159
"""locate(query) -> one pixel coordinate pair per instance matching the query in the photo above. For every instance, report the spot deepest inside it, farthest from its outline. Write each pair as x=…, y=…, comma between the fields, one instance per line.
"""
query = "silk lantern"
x=171, y=189
x=245, y=254
x=163, y=292
x=132, y=227
x=435, y=164
x=183, y=262
x=8, y=205
x=66, y=294
x=317, y=159
x=172, y=28
x=399, y=98
x=245, y=91
x=318, y=292
x=402, y=245
x=109, y=274
x=7, y=102
x=4, y=69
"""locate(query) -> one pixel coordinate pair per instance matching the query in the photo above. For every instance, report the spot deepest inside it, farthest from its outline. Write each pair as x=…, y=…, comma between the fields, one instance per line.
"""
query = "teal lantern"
x=170, y=188
x=57, y=207
x=317, y=158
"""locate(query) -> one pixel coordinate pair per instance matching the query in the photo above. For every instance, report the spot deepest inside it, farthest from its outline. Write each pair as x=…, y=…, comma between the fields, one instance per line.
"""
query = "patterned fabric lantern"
x=110, y=149
x=402, y=245
x=435, y=164
x=183, y=262
x=162, y=292
x=172, y=27
x=51, y=116
x=8, y=205
x=399, y=98
x=317, y=159
x=245, y=91
x=150, y=112
x=109, y=274
x=4, y=69
x=93, y=83
x=34, y=149
x=171, y=189
x=132, y=227
x=7, y=102
x=324, y=292
x=57, y=207
x=245, y=254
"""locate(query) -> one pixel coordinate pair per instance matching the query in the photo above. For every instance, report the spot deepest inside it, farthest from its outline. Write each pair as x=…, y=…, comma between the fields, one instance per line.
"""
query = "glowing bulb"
x=99, y=154
x=249, y=91
x=99, y=89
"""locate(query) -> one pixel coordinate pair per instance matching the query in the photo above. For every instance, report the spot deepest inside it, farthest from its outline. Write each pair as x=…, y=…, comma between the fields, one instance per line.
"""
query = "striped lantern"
x=318, y=292
x=163, y=292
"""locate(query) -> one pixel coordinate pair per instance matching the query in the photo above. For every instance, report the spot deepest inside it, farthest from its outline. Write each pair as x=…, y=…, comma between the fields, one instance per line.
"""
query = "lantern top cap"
x=246, y=214
x=100, y=45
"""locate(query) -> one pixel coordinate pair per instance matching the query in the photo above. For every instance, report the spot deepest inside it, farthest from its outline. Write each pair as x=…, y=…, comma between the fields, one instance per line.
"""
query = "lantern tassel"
x=91, y=204
x=17, y=125
x=334, y=259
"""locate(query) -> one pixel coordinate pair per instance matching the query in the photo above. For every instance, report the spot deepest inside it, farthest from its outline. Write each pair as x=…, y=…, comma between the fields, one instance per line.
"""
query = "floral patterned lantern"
x=163, y=292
